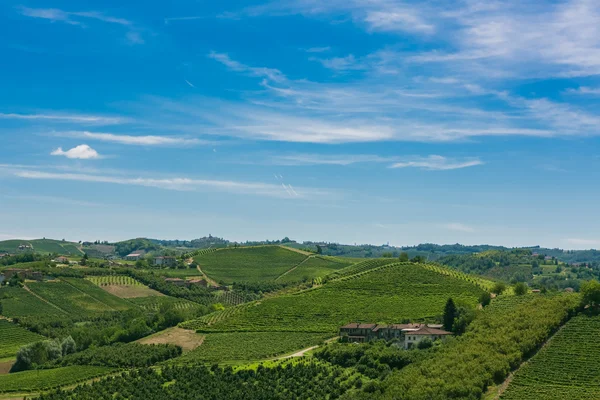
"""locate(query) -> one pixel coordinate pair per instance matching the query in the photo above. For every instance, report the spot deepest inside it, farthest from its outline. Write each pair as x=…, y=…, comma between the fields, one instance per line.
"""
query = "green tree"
x=520, y=288
x=591, y=292
x=450, y=313
x=485, y=299
x=319, y=250
x=499, y=288
x=403, y=257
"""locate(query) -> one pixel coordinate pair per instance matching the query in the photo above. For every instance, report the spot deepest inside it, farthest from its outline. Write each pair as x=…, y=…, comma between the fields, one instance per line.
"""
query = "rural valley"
x=282, y=320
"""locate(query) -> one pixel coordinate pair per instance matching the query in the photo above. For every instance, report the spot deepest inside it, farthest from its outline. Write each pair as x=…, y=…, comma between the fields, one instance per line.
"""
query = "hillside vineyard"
x=272, y=322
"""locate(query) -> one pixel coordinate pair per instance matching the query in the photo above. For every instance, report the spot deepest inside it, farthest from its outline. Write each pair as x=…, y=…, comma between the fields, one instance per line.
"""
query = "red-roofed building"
x=410, y=334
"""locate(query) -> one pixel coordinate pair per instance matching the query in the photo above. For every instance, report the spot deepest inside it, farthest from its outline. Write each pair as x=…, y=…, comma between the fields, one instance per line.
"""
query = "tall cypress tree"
x=449, y=314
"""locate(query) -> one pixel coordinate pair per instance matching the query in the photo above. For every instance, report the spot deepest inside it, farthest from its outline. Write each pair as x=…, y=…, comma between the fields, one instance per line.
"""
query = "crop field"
x=124, y=287
x=384, y=295
x=311, y=268
x=248, y=264
x=155, y=302
x=17, y=302
x=97, y=293
x=12, y=337
x=229, y=298
x=68, y=298
x=31, y=381
x=248, y=346
x=568, y=367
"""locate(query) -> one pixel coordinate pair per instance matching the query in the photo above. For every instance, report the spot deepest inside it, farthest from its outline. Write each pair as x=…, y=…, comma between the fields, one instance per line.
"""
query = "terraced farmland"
x=567, y=368
x=68, y=298
x=42, y=246
x=12, y=337
x=363, y=266
x=31, y=381
x=18, y=302
x=122, y=286
x=248, y=264
x=247, y=346
x=388, y=294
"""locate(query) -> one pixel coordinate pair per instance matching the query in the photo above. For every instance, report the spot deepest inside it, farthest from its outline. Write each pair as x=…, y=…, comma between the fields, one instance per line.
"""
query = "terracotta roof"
x=357, y=325
x=425, y=330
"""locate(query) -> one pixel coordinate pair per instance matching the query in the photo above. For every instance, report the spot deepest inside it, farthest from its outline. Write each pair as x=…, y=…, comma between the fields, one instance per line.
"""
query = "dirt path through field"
x=294, y=267
x=306, y=253
x=210, y=281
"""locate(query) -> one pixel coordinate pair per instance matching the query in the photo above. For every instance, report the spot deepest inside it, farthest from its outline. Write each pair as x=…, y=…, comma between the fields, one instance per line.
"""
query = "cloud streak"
x=437, y=163
x=79, y=18
x=148, y=140
x=182, y=184
x=269, y=73
x=66, y=118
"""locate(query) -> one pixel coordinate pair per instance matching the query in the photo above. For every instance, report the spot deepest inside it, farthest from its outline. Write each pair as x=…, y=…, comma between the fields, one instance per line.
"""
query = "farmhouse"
x=409, y=334
x=134, y=256
x=166, y=261
x=24, y=247
x=62, y=260
x=23, y=274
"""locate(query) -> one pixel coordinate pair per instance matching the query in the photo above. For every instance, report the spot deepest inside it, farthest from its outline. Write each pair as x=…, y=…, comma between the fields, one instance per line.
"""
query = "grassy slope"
x=42, y=246
x=13, y=337
x=99, y=294
x=248, y=264
x=389, y=294
x=567, y=367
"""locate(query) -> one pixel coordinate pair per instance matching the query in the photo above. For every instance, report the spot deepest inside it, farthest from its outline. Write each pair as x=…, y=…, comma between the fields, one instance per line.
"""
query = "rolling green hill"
x=13, y=337
x=248, y=264
x=388, y=294
x=41, y=246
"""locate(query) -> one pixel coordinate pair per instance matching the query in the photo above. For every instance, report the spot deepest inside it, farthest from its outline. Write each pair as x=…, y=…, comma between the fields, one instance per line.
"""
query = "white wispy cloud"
x=342, y=63
x=327, y=159
x=585, y=90
x=79, y=18
x=458, y=227
x=437, y=163
x=317, y=49
x=269, y=73
x=190, y=84
x=81, y=152
x=177, y=183
x=375, y=15
x=141, y=140
x=67, y=118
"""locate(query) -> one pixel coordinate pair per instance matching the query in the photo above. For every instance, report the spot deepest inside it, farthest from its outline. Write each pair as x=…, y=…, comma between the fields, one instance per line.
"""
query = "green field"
x=248, y=264
x=12, y=337
x=31, y=381
x=313, y=267
x=568, y=367
x=248, y=346
x=387, y=295
x=17, y=302
x=42, y=246
x=68, y=298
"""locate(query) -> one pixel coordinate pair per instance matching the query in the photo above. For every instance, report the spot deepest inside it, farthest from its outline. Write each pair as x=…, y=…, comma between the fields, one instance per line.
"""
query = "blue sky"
x=355, y=121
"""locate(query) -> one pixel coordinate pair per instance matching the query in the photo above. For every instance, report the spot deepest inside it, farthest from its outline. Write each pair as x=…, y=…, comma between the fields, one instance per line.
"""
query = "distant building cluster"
x=409, y=334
